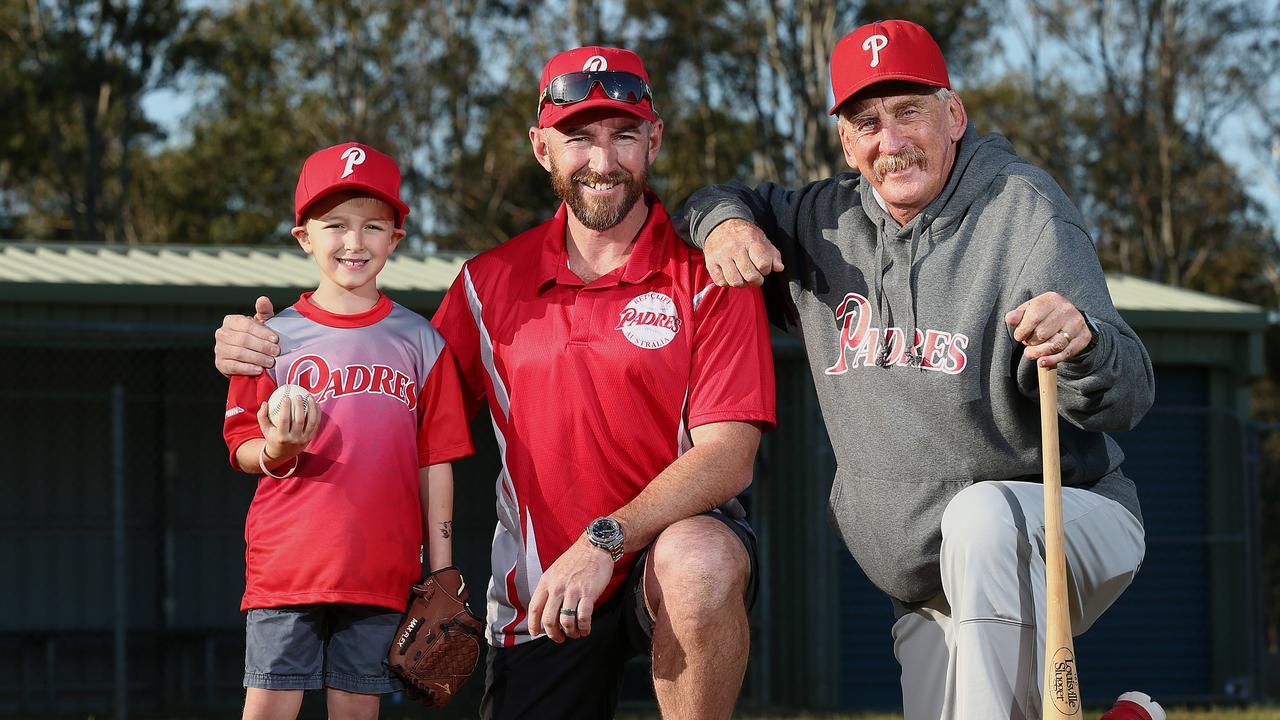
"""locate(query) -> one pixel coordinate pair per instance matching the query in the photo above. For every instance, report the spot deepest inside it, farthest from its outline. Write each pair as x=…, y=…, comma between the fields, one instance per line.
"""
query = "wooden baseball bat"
x=1061, y=697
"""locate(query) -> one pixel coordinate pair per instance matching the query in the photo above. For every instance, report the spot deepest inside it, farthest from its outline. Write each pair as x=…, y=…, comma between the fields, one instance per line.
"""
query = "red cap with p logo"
x=592, y=59
x=888, y=50
x=350, y=167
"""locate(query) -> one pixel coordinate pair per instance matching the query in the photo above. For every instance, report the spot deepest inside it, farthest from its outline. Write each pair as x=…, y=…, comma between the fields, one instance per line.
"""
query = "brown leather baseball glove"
x=438, y=643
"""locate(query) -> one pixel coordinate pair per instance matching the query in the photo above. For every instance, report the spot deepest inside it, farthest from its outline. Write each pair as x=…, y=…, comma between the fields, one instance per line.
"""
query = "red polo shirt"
x=593, y=387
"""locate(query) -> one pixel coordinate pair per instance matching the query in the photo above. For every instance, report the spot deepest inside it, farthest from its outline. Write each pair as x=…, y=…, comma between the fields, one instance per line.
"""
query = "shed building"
x=116, y=470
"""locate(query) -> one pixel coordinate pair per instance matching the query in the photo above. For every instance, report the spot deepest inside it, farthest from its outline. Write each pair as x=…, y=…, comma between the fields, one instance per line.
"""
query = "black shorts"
x=581, y=678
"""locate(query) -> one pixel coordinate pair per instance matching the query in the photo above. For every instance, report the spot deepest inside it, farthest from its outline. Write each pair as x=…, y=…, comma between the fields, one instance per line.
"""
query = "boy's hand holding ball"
x=285, y=396
x=289, y=420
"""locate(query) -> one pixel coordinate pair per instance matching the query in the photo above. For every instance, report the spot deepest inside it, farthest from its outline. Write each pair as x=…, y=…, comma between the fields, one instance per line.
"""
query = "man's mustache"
x=908, y=157
x=591, y=177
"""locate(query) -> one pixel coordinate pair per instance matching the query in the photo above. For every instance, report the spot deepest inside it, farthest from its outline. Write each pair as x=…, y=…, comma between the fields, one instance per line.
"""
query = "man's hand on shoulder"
x=566, y=595
x=738, y=254
x=244, y=345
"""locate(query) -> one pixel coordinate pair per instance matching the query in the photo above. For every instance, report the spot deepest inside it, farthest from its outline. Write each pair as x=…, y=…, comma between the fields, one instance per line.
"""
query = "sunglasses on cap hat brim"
x=574, y=87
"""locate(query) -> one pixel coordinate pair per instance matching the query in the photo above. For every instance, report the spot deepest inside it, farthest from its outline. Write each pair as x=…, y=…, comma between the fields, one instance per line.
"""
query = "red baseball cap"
x=351, y=166
x=592, y=59
x=888, y=50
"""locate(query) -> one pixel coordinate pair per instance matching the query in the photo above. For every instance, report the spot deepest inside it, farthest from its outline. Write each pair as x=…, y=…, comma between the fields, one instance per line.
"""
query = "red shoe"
x=1134, y=706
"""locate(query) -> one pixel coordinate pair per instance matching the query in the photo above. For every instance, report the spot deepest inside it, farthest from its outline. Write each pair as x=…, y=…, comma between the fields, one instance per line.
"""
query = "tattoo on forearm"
x=446, y=528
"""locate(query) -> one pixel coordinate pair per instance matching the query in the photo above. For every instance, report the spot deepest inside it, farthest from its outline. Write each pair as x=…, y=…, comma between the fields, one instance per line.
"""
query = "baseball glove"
x=438, y=643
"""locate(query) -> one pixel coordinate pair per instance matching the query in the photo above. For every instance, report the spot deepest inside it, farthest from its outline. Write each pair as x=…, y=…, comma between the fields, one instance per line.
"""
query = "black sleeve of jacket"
x=772, y=208
x=1111, y=387
x=769, y=206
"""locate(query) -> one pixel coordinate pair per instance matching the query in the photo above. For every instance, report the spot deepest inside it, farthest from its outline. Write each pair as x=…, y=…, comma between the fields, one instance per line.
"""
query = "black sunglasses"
x=573, y=87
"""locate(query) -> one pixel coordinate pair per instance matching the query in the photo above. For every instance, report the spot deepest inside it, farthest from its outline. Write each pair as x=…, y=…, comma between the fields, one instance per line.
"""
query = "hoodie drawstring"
x=882, y=359
x=885, y=311
x=914, y=359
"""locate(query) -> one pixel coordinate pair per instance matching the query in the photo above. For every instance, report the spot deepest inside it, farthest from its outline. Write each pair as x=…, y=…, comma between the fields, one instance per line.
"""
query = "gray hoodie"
x=911, y=432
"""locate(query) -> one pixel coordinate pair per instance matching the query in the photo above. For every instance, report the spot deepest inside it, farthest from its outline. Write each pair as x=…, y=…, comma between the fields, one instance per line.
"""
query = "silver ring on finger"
x=569, y=612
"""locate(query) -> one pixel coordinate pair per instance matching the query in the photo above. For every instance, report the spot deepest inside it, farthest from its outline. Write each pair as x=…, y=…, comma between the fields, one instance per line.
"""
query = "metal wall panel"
x=184, y=521
x=1134, y=645
x=871, y=674
x=795, y=631
x=1156, y=637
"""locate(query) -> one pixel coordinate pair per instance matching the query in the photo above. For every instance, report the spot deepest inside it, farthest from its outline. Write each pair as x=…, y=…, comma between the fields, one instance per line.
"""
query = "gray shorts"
x=308, y=647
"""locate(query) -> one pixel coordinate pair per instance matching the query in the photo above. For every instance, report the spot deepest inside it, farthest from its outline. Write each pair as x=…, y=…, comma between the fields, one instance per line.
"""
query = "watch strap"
x=1094, y=332
x=614, y=552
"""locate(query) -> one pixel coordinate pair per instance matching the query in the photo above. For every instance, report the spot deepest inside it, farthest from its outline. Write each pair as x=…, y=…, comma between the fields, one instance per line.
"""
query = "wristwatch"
x=606, y=534
x=1094, y=333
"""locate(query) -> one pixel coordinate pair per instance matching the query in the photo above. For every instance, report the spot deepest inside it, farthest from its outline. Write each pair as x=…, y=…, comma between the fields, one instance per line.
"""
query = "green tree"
x=962, y=29
x=1158, y=78
x=1127, y=132
x=73, y=125
x=449, y=88
x=285, y=78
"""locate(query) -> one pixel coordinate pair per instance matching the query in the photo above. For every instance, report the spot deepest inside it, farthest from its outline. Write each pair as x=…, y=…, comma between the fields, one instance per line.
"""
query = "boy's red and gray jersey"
x=594, y=387
x=347, y=525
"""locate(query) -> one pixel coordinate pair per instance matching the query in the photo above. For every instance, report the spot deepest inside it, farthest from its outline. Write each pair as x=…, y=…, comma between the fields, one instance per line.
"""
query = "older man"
x=927, y=287
x=628, y=394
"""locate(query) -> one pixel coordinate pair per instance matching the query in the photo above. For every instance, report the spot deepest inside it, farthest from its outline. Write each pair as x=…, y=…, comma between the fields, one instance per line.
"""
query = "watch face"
x=605, y=530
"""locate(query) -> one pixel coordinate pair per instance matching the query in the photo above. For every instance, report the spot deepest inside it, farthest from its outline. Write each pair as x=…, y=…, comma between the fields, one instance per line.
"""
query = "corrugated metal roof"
x=1131, y=293
x=203, y=265
x=210, y=274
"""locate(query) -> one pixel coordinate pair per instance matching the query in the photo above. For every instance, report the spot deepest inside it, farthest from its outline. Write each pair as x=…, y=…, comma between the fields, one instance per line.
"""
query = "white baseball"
x=283, y=396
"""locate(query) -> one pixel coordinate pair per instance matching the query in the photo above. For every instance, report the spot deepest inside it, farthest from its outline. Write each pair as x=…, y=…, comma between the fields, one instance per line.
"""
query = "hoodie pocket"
x=894, y=531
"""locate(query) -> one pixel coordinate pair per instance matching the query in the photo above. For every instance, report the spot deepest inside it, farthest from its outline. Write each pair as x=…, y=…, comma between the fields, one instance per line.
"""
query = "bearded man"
x=628, y=394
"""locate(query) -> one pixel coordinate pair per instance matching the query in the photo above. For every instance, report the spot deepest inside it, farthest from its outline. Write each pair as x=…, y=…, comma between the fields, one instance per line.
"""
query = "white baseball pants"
x=976, y=652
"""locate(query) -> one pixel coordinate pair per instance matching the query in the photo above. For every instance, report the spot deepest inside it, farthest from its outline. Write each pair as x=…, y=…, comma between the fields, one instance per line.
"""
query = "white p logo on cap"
x=354, y=156
x=875, y=44
x=595, y=63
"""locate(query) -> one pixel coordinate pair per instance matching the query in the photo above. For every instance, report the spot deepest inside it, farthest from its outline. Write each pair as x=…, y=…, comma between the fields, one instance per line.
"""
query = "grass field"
x=1258, y=713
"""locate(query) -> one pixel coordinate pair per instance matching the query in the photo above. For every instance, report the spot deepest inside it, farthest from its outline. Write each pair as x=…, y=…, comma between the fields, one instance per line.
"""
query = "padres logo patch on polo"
x=649, y=321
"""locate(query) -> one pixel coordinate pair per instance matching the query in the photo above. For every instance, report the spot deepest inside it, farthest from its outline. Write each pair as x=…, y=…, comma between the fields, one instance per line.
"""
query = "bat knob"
x=1134, y=706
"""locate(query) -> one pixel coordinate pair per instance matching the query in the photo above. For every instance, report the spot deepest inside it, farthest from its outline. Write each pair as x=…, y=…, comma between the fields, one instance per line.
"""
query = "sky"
x=167, y=107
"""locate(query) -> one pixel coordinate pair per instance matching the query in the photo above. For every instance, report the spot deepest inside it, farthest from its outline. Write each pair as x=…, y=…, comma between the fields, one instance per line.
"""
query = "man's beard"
x=598, y=215
x=909, y=156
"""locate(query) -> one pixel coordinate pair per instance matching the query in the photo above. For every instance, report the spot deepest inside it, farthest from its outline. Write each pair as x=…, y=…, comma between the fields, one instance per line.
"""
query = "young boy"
x=347, y=487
